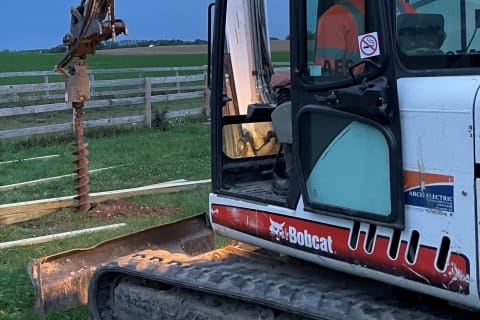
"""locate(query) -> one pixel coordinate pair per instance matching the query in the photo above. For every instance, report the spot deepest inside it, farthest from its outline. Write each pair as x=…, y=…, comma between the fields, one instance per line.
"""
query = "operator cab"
x=384, y=142
x=341, y=120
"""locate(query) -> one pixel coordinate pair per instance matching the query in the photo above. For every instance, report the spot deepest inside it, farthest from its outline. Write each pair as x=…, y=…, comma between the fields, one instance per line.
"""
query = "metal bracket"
x=77, y=83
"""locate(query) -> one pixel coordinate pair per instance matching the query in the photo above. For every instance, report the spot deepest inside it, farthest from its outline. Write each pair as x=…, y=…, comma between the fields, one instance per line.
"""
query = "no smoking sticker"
x=368, y=45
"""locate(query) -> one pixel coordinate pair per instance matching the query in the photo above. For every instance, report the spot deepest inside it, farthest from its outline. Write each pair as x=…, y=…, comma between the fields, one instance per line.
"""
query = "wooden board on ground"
x=34, y=182
x=24, y=211
x=31, y=159
x=57, y=236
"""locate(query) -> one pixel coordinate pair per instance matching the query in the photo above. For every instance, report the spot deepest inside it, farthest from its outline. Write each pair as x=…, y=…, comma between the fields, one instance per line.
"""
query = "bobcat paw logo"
x=276, y=230
x=458, y=279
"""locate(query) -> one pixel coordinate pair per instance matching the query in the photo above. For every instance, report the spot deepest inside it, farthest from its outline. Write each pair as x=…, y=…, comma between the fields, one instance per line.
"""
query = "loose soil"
x=119, y=208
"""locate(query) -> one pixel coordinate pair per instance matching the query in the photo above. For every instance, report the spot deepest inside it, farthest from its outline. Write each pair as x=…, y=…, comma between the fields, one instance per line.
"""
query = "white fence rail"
x=161, y=84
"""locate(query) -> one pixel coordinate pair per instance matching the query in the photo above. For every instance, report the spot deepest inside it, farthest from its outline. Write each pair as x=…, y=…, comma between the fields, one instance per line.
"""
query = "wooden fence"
x=138, y=87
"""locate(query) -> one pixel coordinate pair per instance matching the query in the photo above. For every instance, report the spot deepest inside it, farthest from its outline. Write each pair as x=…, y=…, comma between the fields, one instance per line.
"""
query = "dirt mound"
x=119, y=208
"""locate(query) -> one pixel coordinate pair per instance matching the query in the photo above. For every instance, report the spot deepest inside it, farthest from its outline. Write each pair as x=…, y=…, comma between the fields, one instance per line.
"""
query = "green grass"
x=17, y=296
x=281, y=56
x=34, y=61
x=65, y=116
x=28, y=61
x=142, y=157
x=146, y=157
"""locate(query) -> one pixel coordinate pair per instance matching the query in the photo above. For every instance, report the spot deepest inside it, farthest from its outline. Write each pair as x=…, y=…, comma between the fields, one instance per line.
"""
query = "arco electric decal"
x=333, y=242
x=429, y=191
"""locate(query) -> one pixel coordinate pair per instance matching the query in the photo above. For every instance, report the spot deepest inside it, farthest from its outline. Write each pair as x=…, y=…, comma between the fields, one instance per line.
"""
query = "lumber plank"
x=30, y=210
x=113, y=121
x=178, y=96
x=27, y=88
x=141, y=191
x=104, y=71
x=34, y=182
x=185, y=113
x=16, y=111
x=24, y=211
x=36, y=130
x=31, y=159
x=58, y=236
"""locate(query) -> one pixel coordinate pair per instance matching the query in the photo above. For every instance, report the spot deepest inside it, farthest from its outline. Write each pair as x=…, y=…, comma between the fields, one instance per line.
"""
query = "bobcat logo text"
x=303, y=238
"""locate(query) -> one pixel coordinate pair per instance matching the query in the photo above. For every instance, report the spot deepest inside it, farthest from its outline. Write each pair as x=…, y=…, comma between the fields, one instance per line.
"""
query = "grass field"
x=145, y=157
x=34, y=61
x=140, y=157
x=28, y=61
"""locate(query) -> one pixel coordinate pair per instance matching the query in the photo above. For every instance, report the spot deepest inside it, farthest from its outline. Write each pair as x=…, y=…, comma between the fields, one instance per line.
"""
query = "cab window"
x=439, y=34
x=333, y=28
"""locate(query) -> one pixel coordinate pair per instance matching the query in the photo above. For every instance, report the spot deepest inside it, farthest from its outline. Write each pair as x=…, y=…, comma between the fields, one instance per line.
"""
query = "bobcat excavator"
x=380, y=160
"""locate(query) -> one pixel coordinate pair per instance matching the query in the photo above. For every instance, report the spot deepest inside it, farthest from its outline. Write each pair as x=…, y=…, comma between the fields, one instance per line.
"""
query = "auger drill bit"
x=78, y=91
x=82, y=201
x=87, y=30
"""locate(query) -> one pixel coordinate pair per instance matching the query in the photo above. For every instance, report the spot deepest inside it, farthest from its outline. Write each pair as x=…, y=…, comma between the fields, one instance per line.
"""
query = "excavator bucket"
x=61, y=281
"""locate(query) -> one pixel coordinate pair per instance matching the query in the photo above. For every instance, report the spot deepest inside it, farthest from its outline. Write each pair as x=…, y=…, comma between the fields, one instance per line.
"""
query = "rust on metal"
x=81, y=202
x=61, y=281
x=88, y=29
x=91, y=23
x=77, y=82
x=78, y=91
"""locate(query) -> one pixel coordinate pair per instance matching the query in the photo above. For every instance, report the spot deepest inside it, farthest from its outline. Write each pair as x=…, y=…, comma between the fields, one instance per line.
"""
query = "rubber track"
x=280, y=284
x=134, y=301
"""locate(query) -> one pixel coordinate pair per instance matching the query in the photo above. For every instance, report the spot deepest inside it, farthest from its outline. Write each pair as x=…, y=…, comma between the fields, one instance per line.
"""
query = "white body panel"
x=244, y=48
x=437, y=117
x=239, y=36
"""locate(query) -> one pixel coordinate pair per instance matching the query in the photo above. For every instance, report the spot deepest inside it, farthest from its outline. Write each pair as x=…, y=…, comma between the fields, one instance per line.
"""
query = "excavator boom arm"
x=92, y=22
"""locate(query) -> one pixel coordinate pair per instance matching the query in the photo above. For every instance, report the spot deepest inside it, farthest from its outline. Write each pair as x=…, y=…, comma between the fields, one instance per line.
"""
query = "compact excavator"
x=378, y=158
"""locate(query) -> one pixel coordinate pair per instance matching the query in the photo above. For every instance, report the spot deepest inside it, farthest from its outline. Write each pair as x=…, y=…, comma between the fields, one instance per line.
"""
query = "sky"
x=37, y=24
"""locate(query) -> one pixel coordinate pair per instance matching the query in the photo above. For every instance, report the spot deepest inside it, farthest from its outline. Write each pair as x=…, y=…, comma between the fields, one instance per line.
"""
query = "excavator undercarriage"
x=174, y=272
x=243, y=282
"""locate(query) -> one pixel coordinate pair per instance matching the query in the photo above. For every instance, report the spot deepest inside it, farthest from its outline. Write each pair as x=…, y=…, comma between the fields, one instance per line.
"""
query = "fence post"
x=207, y=97
x=148, y=102
x=178, y=82
x=92, y=84
x=47, y=93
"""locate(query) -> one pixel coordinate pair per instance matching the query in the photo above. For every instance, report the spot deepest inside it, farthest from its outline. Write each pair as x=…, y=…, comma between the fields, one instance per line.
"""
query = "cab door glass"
x=349, y=167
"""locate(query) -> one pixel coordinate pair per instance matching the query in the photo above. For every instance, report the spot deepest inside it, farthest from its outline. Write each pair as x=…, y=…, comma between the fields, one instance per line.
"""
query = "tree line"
x=133, y=44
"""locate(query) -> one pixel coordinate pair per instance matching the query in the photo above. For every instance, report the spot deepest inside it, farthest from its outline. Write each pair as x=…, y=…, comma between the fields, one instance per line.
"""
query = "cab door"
x=346, y=121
